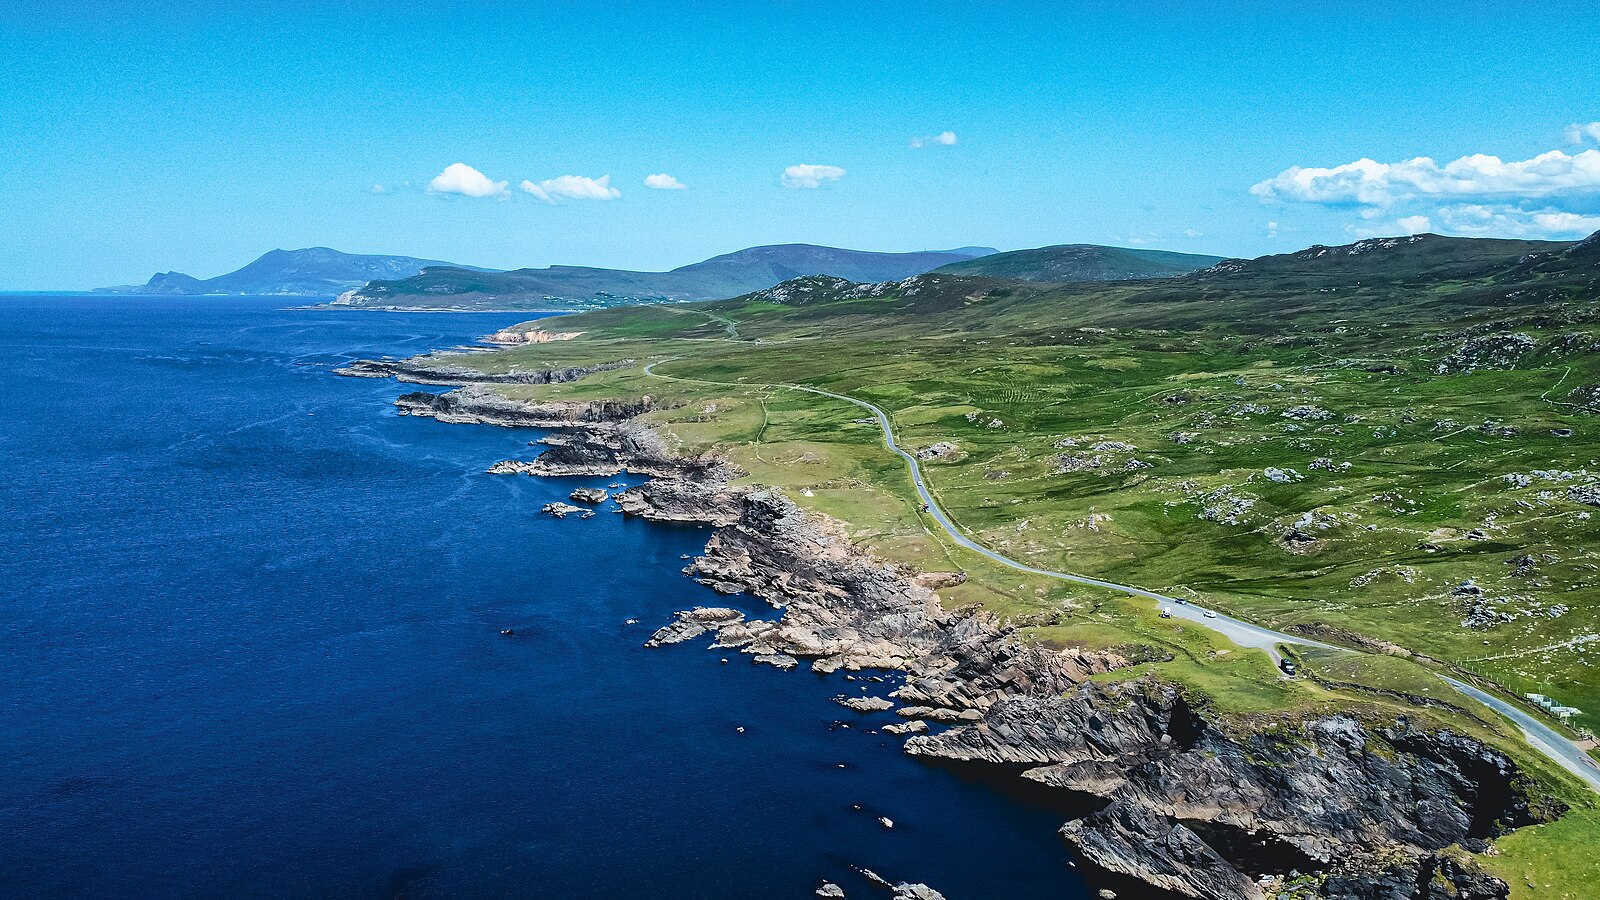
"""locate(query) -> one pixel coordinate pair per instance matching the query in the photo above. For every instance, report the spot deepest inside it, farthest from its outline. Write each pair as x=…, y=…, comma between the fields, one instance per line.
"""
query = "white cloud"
x=1193, y=233
x=1579, y=132
x=460, y=178
x=574, y=187
x=1481, y=220
x=378, y=189
x=661, y=181
x=1272, y=229
x=942, y=139
x=1415, y=224
x=1371, y=183
x=809, y=176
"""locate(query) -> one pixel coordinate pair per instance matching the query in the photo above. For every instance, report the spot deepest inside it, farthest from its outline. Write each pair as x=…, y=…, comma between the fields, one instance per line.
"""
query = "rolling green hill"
x=1082, y=262
x=576, y=286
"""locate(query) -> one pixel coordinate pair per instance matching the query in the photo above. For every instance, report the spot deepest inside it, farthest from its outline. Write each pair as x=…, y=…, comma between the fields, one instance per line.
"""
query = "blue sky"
x=151, y=136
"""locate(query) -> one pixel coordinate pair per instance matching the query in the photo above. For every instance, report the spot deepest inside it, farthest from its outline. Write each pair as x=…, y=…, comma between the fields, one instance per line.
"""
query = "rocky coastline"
x=413, y=371
x=1162, y=796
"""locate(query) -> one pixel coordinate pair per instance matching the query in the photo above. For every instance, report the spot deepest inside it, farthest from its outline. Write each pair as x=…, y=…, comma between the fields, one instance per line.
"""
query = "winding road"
x=1540, y=736
x=1240, y=632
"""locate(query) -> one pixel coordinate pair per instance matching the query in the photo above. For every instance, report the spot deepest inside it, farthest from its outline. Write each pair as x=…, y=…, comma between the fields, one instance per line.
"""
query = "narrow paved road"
x=1541, y=737
x=1240, y=632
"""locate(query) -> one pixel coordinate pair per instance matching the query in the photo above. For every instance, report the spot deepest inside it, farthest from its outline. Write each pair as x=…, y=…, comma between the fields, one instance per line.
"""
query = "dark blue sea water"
x=249, y=646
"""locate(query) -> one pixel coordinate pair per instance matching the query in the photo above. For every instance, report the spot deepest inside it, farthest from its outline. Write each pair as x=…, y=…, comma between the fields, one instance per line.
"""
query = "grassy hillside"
x=1082, y=262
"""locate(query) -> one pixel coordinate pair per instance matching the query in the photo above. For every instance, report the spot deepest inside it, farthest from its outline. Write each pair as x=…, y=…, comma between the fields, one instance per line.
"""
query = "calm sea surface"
x=249, y=646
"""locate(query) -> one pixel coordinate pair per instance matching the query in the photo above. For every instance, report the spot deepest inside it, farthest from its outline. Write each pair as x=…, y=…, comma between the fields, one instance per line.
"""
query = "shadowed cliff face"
x=1165, y=799
x=1197, y=808
x=1205, y=813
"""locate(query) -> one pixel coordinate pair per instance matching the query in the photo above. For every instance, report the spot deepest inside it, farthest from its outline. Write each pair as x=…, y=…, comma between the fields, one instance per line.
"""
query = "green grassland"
x=1305, y=449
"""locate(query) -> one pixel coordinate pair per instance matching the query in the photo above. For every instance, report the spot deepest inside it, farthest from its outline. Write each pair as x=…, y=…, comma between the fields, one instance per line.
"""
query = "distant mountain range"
x=1082, y=262
x=405, y=282
x=728, y=275
x=313, y=272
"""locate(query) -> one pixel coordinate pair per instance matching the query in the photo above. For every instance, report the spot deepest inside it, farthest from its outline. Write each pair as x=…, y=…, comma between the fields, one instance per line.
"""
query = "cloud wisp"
x=661, y=181
x=942, y=139
x=806, y=176
x=460, y=178
x=1581, y=132
x=572, y=187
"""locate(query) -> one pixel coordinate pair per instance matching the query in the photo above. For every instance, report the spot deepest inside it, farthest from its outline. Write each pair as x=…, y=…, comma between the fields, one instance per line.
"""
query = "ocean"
x=250, y=646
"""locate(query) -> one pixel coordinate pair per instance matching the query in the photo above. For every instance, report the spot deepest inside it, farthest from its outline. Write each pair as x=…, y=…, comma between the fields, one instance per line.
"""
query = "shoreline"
x=980, y=695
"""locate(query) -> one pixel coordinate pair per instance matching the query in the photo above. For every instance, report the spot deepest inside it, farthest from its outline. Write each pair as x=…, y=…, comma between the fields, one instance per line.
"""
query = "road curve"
x=1539, y=736
x=1240, y=632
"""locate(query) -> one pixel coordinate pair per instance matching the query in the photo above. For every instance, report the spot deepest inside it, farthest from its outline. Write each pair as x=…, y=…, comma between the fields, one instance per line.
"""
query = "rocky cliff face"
x=1162, y=798
x=1170, y=799
x=483, y=406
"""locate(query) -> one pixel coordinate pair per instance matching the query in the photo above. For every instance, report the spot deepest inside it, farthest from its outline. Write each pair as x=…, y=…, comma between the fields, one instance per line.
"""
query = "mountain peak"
x=1082, y=262
x=310, y=271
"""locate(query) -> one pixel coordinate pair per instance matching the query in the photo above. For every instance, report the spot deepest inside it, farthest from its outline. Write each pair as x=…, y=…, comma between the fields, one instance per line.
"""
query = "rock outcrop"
x=562, y=510
x=426, y=370
x=1204, y=812
x=480, y=405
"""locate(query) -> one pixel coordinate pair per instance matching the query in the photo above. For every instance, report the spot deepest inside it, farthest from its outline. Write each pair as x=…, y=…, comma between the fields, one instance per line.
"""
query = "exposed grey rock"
x=916, y=892
x=1587, y=494
x=915, y=726
x=692, y=623
x=1307, y=413
x=427, y=370
x=1137, y=842
x=562, y=510
x=865, y=704
x=1490, y=351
